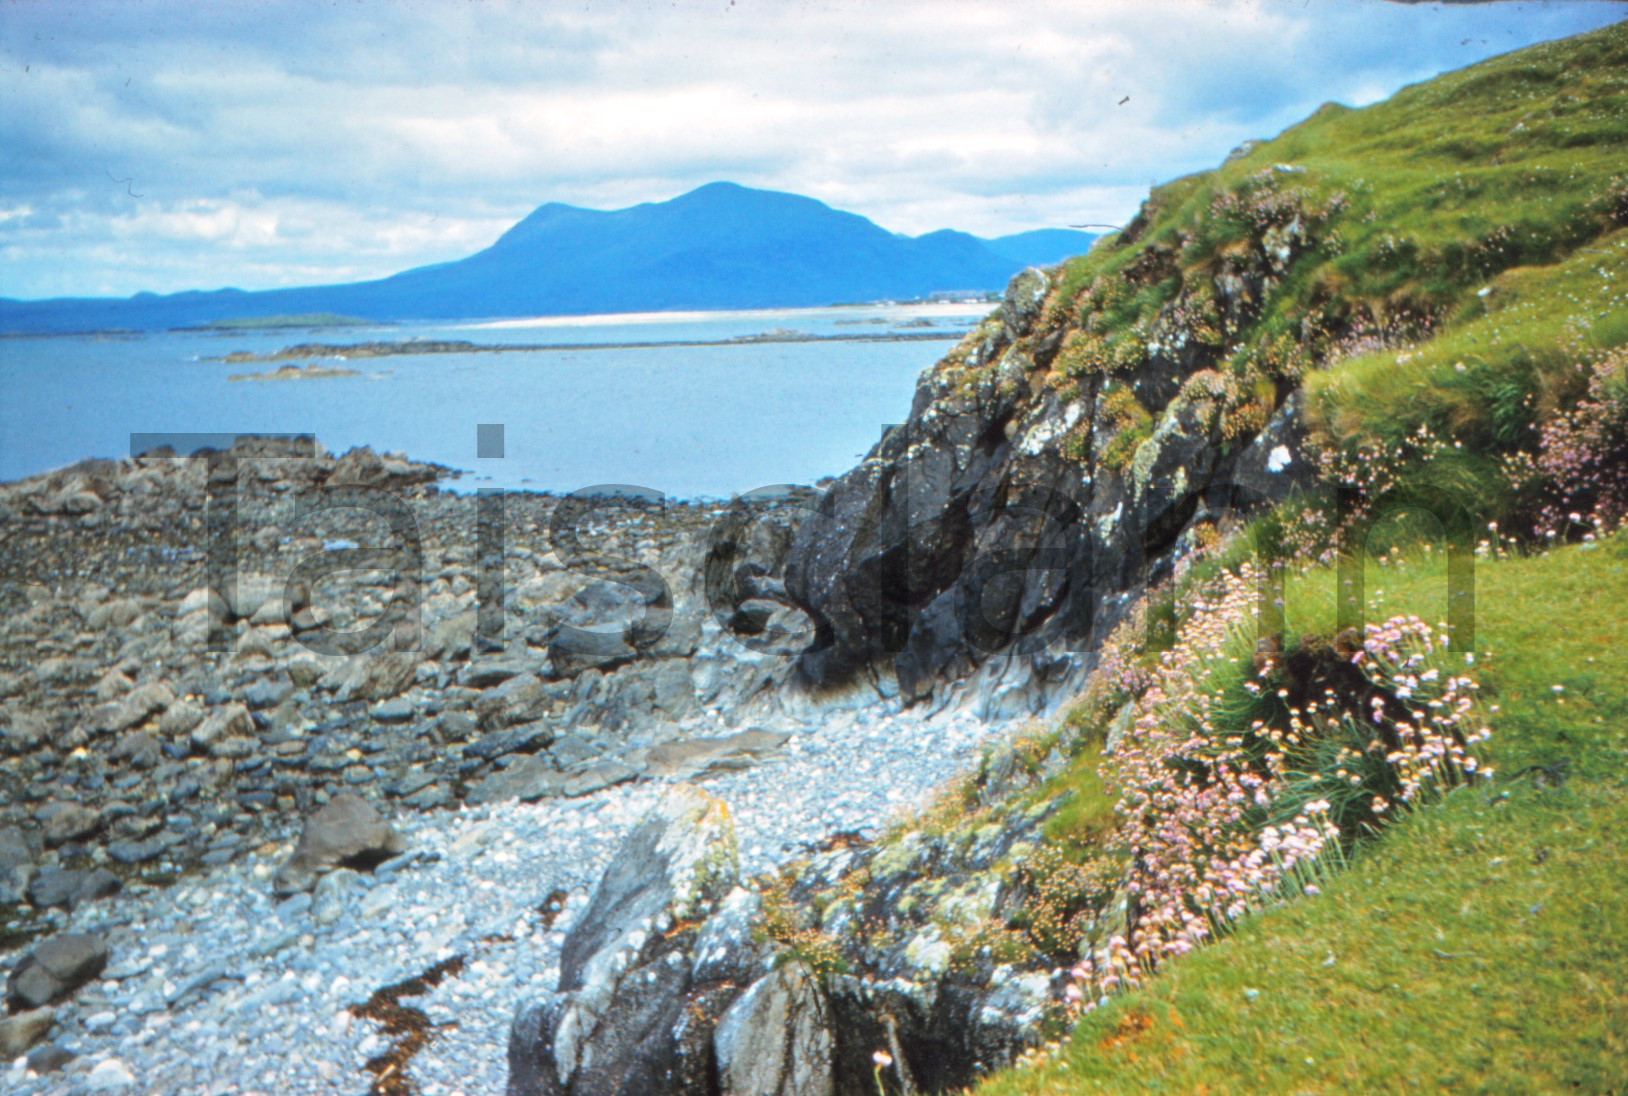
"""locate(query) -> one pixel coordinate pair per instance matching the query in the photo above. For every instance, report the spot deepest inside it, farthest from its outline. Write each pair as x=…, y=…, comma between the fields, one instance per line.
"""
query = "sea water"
x=690, y=421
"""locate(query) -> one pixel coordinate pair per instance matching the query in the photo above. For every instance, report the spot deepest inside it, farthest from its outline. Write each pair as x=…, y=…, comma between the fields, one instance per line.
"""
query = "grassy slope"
x=1477, y=219
x=1480, y=944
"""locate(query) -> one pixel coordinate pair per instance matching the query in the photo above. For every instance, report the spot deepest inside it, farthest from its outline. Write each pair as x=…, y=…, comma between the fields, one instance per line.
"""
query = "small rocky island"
x=297, y=373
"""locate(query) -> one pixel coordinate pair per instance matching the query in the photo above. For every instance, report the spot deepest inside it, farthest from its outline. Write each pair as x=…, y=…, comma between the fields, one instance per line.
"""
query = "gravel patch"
x=217, y=987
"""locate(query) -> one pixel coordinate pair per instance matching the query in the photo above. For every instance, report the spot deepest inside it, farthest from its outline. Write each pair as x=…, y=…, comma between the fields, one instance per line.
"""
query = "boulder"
x=347, y=832
x=697, y=757
x=25, y=732
x=775, y=1039
x=138, y=749
x=20, y=1032
x=579, y=649
x=228, y=721
x=55, y=969
x=138, y=705
x=529, y=778
x=68, y=888
x=63, y=822
x=625, y=979
x=379, y=677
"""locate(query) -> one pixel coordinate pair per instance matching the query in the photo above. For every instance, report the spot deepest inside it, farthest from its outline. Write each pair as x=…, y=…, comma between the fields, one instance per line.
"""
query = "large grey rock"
x=529, y=778
x=579, y=649
x=225, y=722
x=775, y=1039
x=68, y=888
x=380, y=676
x=136, y=707
x=20, y=1032
x=697, y=757
x=54, y=969
x=17, y=855
x=25, y=732
x=64, y=822
x=348, y=831
x=625, y=981
x=519, y=699
x=1020, y=307
x=16, y=848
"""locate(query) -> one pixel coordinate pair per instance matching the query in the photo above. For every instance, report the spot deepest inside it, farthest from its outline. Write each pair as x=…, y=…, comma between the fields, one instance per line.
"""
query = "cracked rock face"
x=632, y=1014
x=993, y=524
x=775, y=1040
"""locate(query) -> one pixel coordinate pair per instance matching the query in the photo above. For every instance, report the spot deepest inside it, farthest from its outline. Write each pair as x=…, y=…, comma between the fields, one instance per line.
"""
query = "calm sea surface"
x=691, y=421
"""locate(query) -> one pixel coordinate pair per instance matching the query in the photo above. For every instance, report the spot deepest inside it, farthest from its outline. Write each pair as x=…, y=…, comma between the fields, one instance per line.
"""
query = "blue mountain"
x=719, y=246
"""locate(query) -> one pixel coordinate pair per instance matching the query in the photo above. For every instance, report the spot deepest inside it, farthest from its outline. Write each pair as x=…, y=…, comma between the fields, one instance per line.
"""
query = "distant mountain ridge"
x=721, y=245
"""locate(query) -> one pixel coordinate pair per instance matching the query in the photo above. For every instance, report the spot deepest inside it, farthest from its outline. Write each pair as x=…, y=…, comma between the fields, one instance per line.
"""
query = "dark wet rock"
x=347, y=831
x=54, y=969
x=972, y=531
x=67, y=888
x=625, y=981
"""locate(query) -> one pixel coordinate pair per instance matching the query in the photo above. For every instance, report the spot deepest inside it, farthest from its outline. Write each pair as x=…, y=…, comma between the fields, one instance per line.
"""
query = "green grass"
x=1460, y=247
x=1480, y=943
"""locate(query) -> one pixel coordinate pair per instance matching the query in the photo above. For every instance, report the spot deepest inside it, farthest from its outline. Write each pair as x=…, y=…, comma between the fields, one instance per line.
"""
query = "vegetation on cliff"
x=1430, y=292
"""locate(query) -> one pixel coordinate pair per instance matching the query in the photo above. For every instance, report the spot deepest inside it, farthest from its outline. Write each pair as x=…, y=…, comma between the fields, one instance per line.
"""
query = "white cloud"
x=167, y=145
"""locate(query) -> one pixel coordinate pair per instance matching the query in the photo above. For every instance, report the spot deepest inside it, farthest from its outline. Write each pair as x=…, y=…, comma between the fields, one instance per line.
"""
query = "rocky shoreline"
x=166, y=732
x=376, y=349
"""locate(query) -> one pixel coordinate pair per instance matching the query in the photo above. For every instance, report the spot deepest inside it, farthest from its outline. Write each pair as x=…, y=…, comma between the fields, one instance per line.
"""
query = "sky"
x=175, y=145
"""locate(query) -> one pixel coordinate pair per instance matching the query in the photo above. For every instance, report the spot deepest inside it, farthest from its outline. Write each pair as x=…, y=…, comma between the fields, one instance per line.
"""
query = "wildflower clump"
x=1246, y=765
x=1580, y=469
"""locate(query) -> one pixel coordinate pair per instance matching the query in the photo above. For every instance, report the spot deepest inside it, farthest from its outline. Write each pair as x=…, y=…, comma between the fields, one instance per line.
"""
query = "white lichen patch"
x=1045, y=433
